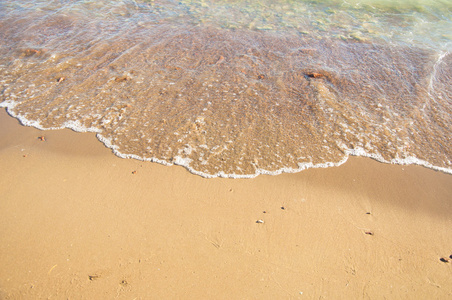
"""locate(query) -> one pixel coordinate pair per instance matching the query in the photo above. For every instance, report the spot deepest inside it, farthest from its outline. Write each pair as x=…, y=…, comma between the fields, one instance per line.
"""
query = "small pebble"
x=369, y=232
x=134, y=172
x=260, y=221
x=124, y=282
x=444, y=260
x=314, y=75
x=220, y=60
x=42, y=138
x=121, y=78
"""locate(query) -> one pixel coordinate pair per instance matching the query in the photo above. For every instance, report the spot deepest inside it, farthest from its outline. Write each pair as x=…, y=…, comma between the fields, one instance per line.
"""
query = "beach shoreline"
x=79, y=222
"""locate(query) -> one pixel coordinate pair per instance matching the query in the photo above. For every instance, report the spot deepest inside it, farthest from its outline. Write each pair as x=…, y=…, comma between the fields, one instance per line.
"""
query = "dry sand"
x=77, y=222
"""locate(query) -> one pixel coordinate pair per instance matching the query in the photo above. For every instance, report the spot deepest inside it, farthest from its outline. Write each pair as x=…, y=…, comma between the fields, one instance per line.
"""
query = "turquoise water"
x=236, y=88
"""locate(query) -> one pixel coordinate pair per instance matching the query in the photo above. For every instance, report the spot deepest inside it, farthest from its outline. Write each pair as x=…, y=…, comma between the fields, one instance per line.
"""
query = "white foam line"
x=185, y=162
x=74, y=125
x=411, y=160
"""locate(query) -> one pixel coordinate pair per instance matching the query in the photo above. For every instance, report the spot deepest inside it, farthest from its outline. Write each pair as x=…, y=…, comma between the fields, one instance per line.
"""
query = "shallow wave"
x=224, y=102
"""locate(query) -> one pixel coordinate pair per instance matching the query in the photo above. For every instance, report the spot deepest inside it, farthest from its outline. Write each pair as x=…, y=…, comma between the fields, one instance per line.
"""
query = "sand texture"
x=77, y=222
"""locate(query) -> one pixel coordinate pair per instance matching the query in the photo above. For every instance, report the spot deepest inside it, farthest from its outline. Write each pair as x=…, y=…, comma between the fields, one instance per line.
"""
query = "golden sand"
x=77, y=222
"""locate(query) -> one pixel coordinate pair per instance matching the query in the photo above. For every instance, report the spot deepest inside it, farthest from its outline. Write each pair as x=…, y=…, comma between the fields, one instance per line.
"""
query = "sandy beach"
x=77, y=222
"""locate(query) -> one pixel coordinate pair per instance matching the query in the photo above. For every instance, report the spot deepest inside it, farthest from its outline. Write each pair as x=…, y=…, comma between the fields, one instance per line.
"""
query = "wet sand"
x=77, y=222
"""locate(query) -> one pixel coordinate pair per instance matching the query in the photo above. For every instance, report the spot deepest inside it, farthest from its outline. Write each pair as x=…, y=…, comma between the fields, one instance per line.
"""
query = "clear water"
x=236, y=88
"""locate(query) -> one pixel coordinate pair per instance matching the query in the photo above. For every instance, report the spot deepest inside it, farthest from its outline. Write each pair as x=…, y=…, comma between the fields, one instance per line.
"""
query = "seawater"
x=236, y=88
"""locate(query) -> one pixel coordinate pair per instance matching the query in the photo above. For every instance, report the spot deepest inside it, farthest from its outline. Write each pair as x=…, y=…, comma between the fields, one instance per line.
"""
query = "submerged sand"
x=224, y=102
x=77, y=222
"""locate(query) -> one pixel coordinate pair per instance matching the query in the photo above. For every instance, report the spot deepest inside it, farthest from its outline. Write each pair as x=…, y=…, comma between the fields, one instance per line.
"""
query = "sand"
x=77, y=222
